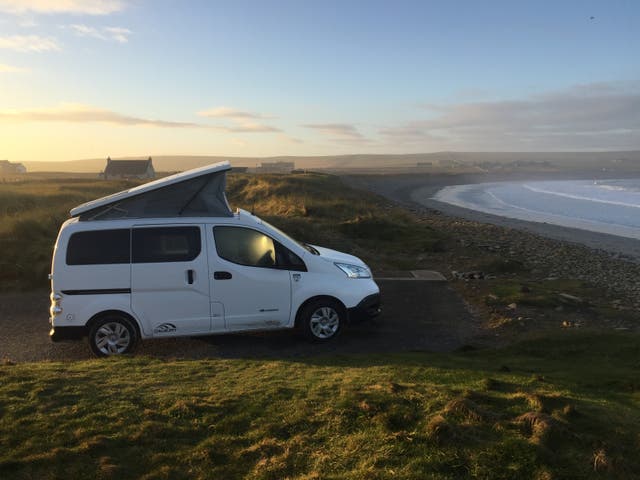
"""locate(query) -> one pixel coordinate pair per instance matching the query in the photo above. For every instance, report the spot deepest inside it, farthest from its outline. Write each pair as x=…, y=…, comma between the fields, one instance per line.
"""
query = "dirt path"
x=417, y=315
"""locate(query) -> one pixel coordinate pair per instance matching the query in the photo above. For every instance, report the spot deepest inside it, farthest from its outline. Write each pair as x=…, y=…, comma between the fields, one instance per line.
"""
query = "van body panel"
x=310, y=284
x=171, y=298
x=79, y=309
x=84, y=278
x=217, y=317
x=253, y=297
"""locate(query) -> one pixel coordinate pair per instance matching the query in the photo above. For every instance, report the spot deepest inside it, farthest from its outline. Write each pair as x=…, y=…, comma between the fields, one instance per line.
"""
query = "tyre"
x=112, y=335
x=321, y=320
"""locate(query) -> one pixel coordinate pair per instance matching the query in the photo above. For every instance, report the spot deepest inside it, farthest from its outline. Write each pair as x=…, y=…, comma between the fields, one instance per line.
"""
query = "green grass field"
x=564, y=407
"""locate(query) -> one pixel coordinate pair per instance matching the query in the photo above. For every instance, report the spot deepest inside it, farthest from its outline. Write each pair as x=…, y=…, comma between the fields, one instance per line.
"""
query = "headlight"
x=354, y=271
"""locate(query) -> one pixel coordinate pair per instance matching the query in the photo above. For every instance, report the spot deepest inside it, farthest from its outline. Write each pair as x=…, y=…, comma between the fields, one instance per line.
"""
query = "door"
x=169, y=280
x=246, y=279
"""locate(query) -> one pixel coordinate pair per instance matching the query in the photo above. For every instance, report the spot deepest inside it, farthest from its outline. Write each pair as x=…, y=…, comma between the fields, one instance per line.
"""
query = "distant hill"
x=170, y=163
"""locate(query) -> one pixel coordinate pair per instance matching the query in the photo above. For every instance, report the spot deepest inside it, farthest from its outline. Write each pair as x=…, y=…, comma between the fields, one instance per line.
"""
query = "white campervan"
x=169, y=258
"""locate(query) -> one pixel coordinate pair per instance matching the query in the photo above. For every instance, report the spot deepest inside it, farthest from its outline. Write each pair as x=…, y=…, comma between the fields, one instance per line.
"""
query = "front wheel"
x=321, y=320
x=112, y=335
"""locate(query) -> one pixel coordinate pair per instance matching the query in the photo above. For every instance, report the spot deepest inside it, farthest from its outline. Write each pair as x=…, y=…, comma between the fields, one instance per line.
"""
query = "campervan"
x=169, y=258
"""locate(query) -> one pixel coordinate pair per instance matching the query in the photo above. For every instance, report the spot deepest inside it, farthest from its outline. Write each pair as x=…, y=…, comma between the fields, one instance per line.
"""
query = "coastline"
x=416, y=192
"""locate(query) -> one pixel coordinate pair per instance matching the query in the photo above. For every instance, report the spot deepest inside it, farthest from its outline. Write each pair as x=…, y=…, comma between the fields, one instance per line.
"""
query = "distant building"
x=275, y=167
x=450, y=163
x=126, y=169
x=8, y=169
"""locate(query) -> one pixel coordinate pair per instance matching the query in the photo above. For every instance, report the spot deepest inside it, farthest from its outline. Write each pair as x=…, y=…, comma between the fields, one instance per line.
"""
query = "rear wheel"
x=112, y=335
x=321, y=320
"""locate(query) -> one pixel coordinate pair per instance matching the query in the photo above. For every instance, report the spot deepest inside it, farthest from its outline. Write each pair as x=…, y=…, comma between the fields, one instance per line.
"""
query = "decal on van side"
x=165, y=328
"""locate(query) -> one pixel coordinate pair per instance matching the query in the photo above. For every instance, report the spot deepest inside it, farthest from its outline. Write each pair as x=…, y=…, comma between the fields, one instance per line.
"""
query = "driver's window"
x=245, y=246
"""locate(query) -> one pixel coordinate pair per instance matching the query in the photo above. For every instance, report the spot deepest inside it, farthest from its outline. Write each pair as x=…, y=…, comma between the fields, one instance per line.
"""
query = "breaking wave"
x=608, y=206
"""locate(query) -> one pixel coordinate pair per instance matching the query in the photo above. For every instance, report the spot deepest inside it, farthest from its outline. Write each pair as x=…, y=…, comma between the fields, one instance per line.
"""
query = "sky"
x=88, y=79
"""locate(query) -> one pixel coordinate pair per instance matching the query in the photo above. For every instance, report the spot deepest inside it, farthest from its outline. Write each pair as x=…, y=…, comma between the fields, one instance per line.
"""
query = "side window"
x=245, y=246
x=166, y=244
x=99, y=247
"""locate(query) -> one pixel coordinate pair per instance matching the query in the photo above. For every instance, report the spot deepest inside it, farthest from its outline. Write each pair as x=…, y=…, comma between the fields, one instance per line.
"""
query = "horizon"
x=437, y=161
x=355, y=154
x=89, y=79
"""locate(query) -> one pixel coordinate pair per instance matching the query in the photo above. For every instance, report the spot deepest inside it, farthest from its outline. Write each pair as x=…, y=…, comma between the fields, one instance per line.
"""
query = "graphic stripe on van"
x=101, y=291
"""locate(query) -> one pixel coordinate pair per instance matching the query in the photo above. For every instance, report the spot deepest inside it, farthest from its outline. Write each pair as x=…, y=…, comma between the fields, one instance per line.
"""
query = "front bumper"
x=368, y=308
x=59, y=334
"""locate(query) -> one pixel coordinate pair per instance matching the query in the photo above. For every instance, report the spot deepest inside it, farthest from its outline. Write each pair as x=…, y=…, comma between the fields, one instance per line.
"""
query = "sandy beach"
x=418, y=191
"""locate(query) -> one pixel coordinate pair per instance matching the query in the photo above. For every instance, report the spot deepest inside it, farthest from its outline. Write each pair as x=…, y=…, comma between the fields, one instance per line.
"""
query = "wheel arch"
x=320, y=297
x=105, y=313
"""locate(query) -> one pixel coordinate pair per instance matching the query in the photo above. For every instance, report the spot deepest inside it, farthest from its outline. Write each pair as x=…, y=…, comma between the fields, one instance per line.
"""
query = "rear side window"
x=99, y=247
x=166, y=244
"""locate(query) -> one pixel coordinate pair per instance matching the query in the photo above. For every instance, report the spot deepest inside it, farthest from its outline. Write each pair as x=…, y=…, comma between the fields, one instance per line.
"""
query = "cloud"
x=79, y=113
x=242, y=120
x=344, y=133
x=11, y=69
x=86, y=7
x=238, y=143
x=292, y=140
x=29, y=43
x=228, y=112
x=117, y=34
x=408, y=130
x=585, y=116
x=246, y=127
x=85, y=31
x=340, y=130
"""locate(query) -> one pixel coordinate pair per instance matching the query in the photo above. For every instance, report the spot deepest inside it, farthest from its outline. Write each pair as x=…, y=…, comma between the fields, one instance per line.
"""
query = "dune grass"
x=314, y=208
x=31, y=213
x=563, y=407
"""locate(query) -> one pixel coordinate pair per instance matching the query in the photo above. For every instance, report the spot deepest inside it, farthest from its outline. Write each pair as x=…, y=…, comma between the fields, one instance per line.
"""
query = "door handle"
x=222, y=275
x=190, y=277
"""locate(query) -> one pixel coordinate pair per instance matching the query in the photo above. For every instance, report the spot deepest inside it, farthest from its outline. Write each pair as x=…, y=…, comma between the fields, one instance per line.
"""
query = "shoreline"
x=417, y=192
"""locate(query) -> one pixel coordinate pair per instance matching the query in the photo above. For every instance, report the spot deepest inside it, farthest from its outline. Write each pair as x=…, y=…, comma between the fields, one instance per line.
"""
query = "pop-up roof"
x=194, y=193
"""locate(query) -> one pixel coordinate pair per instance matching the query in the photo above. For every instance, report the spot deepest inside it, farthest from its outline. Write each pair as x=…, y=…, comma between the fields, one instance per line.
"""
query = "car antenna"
x=253, y=208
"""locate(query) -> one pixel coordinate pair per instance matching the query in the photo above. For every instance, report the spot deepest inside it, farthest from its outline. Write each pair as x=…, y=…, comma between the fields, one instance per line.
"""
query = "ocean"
x=607, y=206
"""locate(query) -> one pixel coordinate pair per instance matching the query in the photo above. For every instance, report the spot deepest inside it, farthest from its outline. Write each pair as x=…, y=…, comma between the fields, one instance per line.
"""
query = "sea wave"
x=578, y=204
x=582, y=197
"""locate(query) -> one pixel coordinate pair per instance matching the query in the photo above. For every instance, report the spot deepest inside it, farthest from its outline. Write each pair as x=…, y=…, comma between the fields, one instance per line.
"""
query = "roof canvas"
x=176, y=197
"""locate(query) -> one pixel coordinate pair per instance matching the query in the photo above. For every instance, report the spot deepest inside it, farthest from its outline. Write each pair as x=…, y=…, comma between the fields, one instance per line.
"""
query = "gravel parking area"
x=417, y=315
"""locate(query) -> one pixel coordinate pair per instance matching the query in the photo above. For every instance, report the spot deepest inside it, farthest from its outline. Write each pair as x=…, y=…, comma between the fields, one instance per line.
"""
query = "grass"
x=563, y=407
x=544, y=294
x=31, y=213
x=314, y=208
